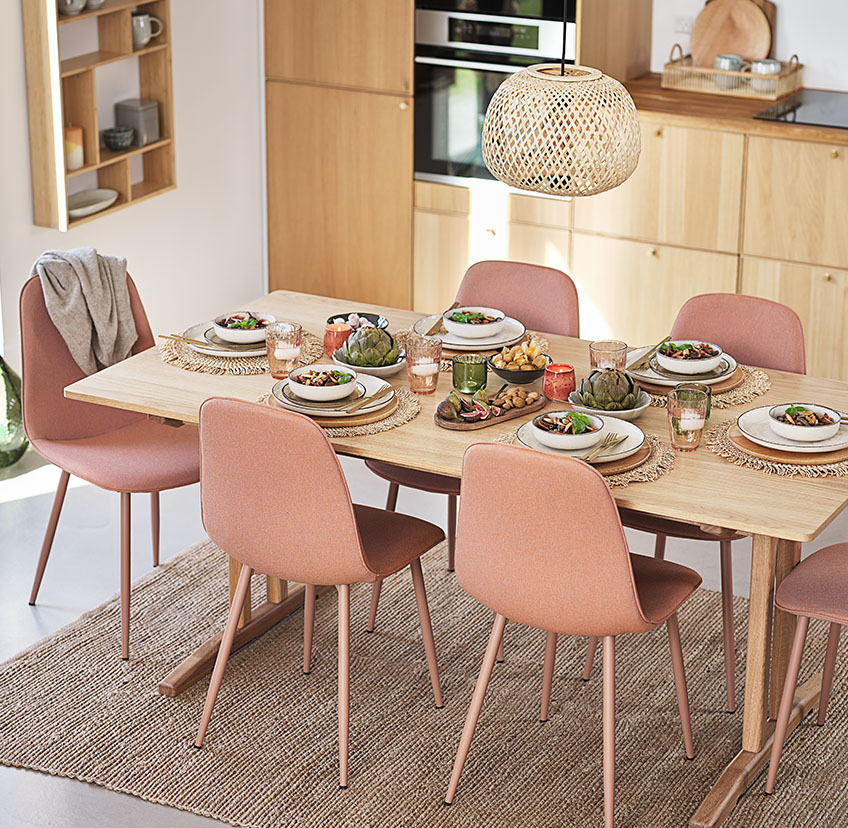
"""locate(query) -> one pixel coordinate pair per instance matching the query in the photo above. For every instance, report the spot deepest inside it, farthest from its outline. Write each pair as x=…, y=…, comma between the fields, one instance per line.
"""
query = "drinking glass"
x=558, y=381
x=687, y=414
x=608, y=353
x=335, y=335
x=282, y=339
x=423, y=355
x=698, y=386
x=469, y=372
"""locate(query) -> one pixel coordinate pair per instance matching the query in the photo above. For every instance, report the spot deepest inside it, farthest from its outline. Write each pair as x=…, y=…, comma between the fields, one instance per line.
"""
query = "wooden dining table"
x=780, y=513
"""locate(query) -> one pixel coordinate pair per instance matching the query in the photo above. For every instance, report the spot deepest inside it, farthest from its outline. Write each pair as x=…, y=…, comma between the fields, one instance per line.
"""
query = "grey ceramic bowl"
x=70, y=7
x=118, y=138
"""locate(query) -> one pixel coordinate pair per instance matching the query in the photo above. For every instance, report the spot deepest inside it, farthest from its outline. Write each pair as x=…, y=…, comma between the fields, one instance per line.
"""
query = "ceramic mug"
x=142, y=29
x=765, y=66
x=728, y=63
x=70, y=7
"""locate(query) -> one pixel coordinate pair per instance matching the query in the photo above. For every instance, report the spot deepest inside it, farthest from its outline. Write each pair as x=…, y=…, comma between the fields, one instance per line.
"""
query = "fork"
x=610, y=440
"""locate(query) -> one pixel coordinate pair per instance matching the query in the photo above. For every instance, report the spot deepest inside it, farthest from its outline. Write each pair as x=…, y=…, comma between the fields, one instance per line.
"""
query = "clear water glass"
x=423, y=356
x=608, y=353
x=687, y=415
x=283, y=340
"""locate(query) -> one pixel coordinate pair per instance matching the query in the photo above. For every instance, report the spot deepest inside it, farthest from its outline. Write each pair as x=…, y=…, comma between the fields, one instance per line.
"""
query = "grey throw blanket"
x=87, y=298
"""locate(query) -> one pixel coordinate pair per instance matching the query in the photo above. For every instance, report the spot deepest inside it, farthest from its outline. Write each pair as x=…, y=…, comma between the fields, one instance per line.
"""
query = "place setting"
x=471, y=328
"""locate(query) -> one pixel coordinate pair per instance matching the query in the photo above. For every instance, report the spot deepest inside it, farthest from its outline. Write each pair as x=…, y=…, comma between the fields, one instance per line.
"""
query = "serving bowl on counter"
x=243, y=336
x=468, y=331
x=568, y=441
x=804, y=434
x=322, y=393
x=690, y=366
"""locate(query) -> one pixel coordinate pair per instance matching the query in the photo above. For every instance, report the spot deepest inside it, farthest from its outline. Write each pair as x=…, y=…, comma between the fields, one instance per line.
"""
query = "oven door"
x=452, y=94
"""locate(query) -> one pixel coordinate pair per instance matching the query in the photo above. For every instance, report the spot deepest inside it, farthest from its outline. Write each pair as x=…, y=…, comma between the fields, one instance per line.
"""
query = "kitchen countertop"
x=723, y=112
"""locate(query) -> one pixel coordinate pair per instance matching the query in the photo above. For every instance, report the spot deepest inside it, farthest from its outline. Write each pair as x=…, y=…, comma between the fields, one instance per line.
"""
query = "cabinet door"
x=364, y=44
x=818, y=296
x=687, y=189
x=339, y=193
x=795, y=197
x=632, y=291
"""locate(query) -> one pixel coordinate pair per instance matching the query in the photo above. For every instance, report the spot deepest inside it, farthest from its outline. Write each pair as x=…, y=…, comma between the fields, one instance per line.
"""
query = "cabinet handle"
x=828, y=277
x=403, y=105
x=653, y=251
x=491, y=231
x=834, y=153
x=658, y=132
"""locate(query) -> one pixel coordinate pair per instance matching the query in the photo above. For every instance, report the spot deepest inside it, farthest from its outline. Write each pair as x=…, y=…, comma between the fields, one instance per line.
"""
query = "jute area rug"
x=70, y=706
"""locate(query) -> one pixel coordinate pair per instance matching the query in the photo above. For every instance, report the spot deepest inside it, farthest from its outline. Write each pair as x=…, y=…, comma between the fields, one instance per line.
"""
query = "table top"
x=701, y=489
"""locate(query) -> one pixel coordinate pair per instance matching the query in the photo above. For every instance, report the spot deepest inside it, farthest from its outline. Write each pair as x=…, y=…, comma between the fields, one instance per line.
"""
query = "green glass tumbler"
x=469, y=373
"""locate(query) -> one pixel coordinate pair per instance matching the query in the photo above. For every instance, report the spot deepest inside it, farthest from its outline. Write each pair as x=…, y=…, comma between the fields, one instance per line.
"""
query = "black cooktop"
x=811, y=106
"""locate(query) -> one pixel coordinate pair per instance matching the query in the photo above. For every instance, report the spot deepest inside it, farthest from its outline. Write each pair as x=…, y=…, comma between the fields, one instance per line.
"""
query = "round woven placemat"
x=719, y=443
x=755, y=384
x=407, y=410
x=447, y=365
x=184, y=356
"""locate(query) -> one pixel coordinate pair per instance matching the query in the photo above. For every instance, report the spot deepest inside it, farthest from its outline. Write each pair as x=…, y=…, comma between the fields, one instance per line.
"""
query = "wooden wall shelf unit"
x=64, y=92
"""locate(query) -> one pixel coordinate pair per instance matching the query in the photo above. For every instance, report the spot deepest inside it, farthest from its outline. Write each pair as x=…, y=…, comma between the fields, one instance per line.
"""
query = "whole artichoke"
x=609, y=390
x=370, y=348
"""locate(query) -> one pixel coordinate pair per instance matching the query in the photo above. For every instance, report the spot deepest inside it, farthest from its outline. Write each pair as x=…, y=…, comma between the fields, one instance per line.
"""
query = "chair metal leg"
x=548, y=673
x=451, y=530
x=609, y=730
x=126, y=569
x=590, y=658
x=377, y=586
x=680, y=684
x=426, y=630
x=829, y=667
x=49, y=533
x=786, y=699
x=476, y=705
x=344, y=681
x=501, y=657
x=154, y=525
x=659, y=547
x=224, y=649
x=727, y=623
x=308, y=625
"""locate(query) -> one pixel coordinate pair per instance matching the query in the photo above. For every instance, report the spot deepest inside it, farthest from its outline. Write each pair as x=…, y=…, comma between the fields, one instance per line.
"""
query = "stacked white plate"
x=647, y=373
x=635, y=439
x=511, y=331
x=754, y=425
x=205, y=332
x=366, y=385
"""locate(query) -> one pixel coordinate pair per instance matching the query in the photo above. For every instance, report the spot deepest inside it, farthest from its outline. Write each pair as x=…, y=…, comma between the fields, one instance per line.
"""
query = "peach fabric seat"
x=755, y=332
x=545, y=300
x=570, y=573
x=295, y=521
x=816, y=588
x=117, y=450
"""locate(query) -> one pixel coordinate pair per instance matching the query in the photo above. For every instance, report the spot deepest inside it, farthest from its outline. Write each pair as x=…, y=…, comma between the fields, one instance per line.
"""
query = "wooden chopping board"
x=824, y=458
x=739, y=27
x=734, y=380
x=460, y=425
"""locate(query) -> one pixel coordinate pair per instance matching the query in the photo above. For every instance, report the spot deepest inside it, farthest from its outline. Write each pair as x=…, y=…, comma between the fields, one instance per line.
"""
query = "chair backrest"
x=274, y=496
x=544, y=299
x=755, y=331
x=560, y=565
x=47, y=367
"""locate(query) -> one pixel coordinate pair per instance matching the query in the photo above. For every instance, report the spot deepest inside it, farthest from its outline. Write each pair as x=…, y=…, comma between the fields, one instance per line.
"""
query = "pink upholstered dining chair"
x=570, y=573
x=755, y=332
x=816, y=588
x=117, y=450
x=300, y=496
x=545, y=300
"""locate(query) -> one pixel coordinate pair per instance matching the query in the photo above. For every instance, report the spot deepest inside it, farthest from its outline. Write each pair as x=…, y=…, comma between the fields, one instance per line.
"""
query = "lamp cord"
x=564, y=26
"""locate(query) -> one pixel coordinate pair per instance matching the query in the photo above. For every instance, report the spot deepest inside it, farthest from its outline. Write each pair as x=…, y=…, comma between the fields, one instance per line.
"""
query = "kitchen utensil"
x=383, y=392
x=611, y=439
x=729, y=63
x=143, y=29
x=437, y=325
x=766, y=66
x=645, y=356
x=189, y=341
x=739, y=27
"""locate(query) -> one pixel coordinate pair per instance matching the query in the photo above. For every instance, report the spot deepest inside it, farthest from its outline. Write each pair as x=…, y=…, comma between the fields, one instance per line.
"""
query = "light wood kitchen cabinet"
x=687, y=190
x=795, y=199
x=632, y=291
x=362, y=44
x=819, y=296
x=339, y=193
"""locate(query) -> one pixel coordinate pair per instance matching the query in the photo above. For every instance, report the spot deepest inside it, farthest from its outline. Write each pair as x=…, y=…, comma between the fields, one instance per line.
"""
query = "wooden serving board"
x=461, y=425
x=824, y=458
x=626, y=463
x=739, y=27
x=734, y=380
x=355, y=420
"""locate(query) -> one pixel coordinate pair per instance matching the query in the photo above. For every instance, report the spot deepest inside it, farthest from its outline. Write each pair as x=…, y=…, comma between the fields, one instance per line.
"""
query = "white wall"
x=193, y=251
x=815, y=30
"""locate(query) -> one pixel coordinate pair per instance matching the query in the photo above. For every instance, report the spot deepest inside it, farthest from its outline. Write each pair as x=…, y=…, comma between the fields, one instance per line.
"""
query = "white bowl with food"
x=689, y=356
x=322, y=383
x=804, y=422
x=473, y=321
x=567, y=429
x=242, y=327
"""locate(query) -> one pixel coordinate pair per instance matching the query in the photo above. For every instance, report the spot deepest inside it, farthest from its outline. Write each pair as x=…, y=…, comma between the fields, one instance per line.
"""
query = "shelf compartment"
x=108, y=156
x=91, y=60
x=79, y=104
x=109, y=7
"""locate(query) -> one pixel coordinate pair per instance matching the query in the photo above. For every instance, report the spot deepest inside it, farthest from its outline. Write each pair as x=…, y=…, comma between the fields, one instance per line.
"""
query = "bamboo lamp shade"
x=571, y=134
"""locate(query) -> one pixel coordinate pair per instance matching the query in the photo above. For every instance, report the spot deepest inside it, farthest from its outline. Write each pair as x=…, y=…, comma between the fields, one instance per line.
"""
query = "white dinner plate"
x=371, y=384
x=635, y=440
x=199, y=332
x=647, y=374
x=511, y=332
x=288, y=390
x=755, y=426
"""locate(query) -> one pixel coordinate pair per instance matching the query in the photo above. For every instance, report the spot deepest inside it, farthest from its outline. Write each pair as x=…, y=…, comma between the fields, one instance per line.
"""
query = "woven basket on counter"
x=681, y=73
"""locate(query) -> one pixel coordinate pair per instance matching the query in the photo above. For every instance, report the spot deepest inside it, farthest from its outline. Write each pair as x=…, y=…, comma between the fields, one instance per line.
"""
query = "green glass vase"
x=13, y=441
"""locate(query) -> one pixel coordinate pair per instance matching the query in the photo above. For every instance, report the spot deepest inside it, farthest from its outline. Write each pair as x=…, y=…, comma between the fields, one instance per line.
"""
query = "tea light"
x=691, y=421
x=425, y=369
x=335, y=335
x=558, y=382
x=282, y=352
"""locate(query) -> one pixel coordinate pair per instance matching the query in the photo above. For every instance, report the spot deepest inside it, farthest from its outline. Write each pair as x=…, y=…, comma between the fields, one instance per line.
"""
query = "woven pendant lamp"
x=561, y=130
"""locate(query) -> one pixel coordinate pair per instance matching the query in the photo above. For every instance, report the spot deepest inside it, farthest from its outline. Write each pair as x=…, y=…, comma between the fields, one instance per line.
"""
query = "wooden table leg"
x=275, y=589
x=788, y=556
x=235, y=569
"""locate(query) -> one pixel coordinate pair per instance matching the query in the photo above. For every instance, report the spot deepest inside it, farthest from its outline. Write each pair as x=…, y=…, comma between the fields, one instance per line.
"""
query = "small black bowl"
x=374, y=318
x=518, y=377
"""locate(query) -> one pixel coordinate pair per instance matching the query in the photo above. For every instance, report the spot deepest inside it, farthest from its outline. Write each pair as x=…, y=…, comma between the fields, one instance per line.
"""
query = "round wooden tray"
x=627, y=463
x=733, y=381
x=793, y=458
x=343, y=422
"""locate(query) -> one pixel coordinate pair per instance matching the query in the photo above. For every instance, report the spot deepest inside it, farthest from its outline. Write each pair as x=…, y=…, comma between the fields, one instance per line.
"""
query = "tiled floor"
x=83, y=572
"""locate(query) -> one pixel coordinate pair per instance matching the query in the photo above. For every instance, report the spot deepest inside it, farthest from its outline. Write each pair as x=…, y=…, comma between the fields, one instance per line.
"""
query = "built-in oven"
x=463, y=51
